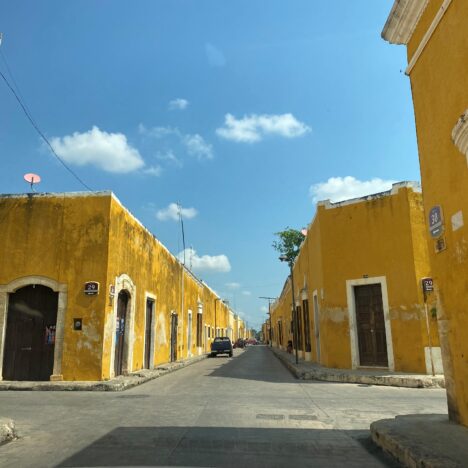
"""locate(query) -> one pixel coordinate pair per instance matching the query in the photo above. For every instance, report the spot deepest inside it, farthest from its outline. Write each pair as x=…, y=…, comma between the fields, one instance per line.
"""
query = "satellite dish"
x=32, y=179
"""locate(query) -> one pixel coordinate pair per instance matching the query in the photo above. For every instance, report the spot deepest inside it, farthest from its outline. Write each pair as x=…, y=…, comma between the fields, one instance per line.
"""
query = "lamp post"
x=284, y=258
x=269, y=299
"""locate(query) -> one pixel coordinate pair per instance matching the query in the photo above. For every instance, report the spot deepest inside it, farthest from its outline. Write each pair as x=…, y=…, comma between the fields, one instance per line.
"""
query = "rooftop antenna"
x=32, y=179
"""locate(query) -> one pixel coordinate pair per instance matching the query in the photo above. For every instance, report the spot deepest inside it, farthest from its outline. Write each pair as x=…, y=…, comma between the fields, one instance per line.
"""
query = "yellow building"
x=357, y=282
x=435, y=33
x=87, y=293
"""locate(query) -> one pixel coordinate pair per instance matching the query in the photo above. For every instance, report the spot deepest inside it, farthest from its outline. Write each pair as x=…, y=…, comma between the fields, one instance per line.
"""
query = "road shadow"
x=226, y=447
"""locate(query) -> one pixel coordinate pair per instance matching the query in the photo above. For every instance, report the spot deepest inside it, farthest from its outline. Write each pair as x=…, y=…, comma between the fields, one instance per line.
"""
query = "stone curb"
x=305, y=371
x=7, y=431
x=117, y=384
x=407, y=443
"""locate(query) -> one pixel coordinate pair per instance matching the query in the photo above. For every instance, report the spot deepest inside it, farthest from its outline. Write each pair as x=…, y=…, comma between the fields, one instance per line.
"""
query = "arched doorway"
x=120, y=334
x=30, y=333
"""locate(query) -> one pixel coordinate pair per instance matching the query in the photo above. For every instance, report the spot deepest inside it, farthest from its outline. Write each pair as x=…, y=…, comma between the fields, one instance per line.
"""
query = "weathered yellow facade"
x=377, y=240
x=62, y=241
x=435, y=33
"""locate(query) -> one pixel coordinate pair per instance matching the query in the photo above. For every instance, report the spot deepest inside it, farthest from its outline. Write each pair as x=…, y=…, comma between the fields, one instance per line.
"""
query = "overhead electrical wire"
x=38, y=130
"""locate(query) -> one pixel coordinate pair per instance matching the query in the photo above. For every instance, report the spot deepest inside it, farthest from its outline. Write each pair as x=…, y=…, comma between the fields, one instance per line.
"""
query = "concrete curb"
x=422, y=441
x=118, y=384
x=309, y=371
x=7, y=431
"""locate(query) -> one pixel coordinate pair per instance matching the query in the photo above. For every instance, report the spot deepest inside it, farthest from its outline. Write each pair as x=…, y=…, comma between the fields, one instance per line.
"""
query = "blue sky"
x=244, y=112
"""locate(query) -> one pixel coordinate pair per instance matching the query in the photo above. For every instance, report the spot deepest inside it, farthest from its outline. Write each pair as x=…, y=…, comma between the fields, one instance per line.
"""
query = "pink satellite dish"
x=32, y=179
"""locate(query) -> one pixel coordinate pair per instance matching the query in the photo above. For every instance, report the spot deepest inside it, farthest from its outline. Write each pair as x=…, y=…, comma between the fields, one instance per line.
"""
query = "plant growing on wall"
x=288, y=243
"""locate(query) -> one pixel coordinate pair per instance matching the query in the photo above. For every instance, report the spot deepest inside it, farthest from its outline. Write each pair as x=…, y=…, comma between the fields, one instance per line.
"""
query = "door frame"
x=353, y=332
x=189, y=332
x=123, y=282
x=152, y=298
x=61, y=289
x=316, y=306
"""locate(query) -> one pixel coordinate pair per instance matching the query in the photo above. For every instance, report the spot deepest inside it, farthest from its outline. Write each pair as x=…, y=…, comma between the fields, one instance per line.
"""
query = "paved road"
x=243, y=411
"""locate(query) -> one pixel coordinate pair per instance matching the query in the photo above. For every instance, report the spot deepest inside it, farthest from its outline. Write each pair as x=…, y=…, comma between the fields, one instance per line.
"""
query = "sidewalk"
x=118, y=384
x=423, y=440
x=310, y=371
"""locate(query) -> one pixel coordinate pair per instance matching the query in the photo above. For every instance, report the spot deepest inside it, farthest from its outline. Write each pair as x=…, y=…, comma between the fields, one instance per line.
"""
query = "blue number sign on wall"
x=436, y=221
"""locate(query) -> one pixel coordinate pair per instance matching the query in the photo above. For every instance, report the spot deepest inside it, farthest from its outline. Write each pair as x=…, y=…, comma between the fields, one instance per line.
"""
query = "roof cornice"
x=402, y=21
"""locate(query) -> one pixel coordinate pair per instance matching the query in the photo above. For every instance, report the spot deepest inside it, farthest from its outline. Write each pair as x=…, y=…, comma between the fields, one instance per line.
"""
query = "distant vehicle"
x=251, y=341
x=240, y=343
x=221, y=345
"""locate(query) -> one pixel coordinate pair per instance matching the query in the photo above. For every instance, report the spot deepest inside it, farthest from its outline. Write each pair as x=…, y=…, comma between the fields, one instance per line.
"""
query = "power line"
x=38, y=130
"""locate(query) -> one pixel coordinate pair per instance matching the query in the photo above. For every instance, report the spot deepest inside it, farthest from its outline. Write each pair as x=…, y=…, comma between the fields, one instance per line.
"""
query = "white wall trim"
x=460, y=134
x=61, y=289
x=124, y=282
x=189, y=332
x=402, y=20
x=151, y=297
x=353, y=336
x=318, y=343
x=422, y=45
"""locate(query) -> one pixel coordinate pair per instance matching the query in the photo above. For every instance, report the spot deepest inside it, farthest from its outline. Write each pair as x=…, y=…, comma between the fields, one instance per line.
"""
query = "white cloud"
x=215, y=56
x=264, y=309
x=107, y=151
x=197, y=146
x=246, y=293
x=178, y=104
x=233, y=285
x=343, y=188
x=154, y=171
x=171, y=212
x=170, y=157
x=194, y=144
x=252, y=128
x=206, y=263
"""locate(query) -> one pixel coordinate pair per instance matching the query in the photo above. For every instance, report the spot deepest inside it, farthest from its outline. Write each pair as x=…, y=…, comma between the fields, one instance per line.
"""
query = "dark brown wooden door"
x=174, y=321
x=371, y=325
x=30, y=334
x=148, y=332
x=122, y=305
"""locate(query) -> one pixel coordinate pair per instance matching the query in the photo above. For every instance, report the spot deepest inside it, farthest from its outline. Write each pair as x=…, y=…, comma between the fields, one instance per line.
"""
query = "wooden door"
x=370, y=322
x=30, y=334
x=148, y=332
x=122, y=304
x=174, y=321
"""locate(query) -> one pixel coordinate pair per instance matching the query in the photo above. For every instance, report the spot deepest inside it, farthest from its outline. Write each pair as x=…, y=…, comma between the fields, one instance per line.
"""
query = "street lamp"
x=269, y=299
x=284, y=258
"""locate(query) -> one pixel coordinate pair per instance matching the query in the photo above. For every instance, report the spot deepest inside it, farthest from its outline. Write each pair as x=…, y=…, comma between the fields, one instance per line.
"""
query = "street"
x=242, y=411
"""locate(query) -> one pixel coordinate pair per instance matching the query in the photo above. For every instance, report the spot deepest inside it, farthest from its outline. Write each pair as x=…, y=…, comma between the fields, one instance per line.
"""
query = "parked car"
x=221, y=345
x=239, y=343
x=251, y=341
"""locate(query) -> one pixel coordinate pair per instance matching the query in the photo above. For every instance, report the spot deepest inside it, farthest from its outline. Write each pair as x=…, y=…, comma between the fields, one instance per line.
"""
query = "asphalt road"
x=242, y=411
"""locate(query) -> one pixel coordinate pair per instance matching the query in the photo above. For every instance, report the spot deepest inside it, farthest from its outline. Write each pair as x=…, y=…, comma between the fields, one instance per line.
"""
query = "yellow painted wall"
x=381, y=236
x=74, y=238
x=440, y=96
x=63, y=238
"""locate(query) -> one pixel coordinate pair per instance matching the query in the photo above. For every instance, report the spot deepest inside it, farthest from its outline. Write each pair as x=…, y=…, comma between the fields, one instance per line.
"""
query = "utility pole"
x=269, y=299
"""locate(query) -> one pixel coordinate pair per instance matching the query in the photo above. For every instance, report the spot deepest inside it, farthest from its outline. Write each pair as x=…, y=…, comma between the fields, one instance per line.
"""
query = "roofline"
x=415, y=186
x=402, y=20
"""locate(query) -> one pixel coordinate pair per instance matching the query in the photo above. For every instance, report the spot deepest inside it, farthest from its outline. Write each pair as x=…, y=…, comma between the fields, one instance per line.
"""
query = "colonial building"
x=435, y=33
x=357, y=286
x=87, y=293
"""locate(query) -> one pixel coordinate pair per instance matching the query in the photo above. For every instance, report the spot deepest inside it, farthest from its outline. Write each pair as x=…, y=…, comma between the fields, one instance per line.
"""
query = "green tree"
x=288, y=243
